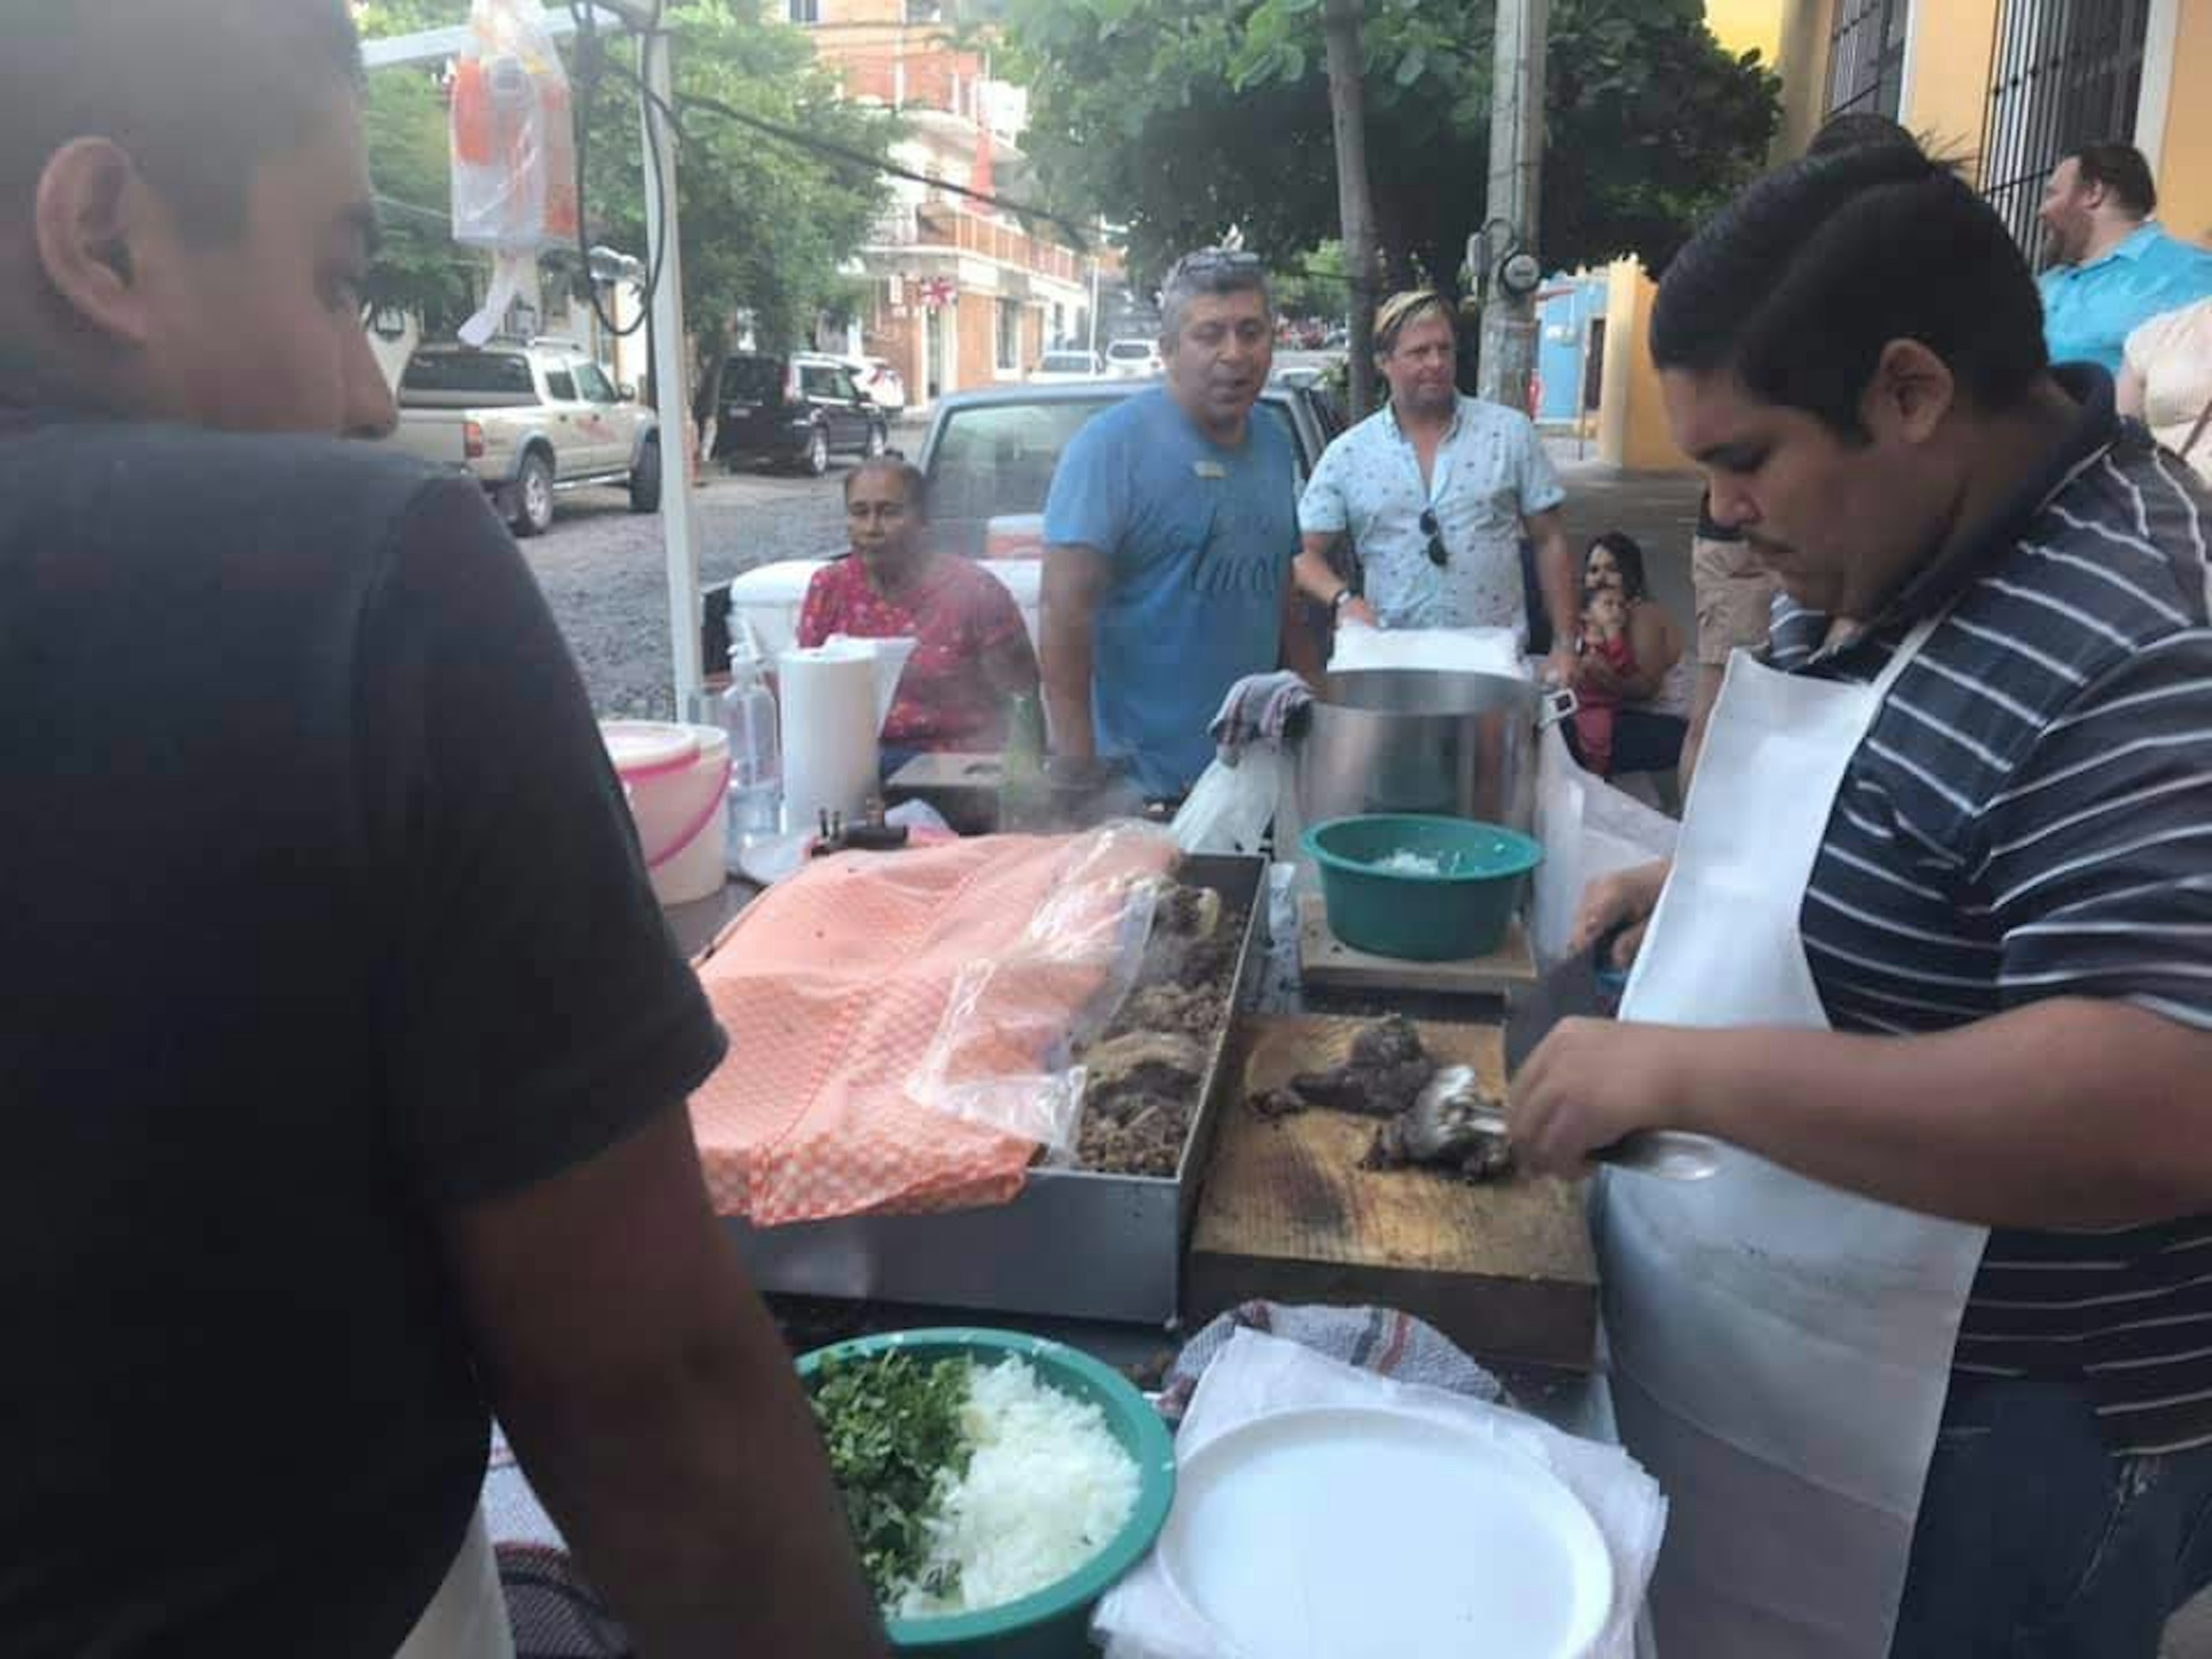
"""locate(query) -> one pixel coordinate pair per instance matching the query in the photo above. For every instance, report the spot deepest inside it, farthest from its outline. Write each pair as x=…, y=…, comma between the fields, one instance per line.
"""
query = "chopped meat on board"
x=1451, y=1125
x=1436, y=1117
x=1384, y=1071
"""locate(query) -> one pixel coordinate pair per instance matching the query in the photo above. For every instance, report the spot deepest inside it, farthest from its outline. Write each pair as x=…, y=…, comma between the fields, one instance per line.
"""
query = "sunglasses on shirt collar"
x=1439, y=555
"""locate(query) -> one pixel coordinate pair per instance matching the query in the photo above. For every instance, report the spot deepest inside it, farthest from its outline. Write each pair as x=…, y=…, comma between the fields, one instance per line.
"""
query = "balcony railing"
x=941, y=224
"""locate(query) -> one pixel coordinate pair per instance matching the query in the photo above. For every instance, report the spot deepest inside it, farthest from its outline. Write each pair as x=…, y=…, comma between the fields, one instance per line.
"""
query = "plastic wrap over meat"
x=976, y=964
x=1002, y=1057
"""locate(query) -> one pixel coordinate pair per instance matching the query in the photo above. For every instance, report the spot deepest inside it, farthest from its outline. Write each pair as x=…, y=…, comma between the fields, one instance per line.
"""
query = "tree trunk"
x=1354, y=202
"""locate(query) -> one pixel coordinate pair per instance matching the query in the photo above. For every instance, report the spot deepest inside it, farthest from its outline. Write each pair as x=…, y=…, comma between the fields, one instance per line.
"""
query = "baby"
x=1604, y=637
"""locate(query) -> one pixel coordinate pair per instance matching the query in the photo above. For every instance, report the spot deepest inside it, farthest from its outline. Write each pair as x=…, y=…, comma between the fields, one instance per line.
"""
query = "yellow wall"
x=1953, y=42
x=1632, y=423
x=1802, y=57
x=2184, y=160
x=1746, y=25
x=1947, y=66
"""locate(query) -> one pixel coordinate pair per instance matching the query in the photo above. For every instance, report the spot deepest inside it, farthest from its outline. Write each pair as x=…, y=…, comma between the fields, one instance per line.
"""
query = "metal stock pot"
x=1415, y=740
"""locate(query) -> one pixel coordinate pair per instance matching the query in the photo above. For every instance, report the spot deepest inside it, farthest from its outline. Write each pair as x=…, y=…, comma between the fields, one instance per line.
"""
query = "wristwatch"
x=1336, y=605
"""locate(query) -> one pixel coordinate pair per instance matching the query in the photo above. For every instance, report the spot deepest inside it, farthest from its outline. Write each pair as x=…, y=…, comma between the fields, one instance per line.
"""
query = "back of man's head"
x=1856, y=128
x=1797, y=285
x=198, y=92
x=2123, y=173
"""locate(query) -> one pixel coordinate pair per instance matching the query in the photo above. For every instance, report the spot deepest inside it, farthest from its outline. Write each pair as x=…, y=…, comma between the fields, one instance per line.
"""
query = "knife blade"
x=1571, y=990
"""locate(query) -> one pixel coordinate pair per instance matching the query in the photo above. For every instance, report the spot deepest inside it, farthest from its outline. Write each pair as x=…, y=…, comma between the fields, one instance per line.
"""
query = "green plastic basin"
x=1462, y=909
x=1053, y=1623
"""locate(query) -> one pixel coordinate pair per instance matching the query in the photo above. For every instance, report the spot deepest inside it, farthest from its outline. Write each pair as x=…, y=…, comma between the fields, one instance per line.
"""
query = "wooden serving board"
x=1504, y=1268
x=1326, y=962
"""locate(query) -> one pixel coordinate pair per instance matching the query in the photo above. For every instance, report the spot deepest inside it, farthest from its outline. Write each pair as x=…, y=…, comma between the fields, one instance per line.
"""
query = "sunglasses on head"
x=1439, y=555
x=1217, y=258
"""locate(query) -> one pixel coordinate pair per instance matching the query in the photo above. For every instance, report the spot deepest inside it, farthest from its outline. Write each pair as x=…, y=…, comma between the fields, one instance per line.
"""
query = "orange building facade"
x=959, y=295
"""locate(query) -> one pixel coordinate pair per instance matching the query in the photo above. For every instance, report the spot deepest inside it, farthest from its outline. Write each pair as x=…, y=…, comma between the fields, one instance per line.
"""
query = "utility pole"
x=1508, y=357
x=1355, y=206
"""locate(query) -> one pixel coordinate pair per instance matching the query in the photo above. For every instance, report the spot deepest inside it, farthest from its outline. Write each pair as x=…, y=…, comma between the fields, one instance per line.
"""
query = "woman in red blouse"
x=971, y=653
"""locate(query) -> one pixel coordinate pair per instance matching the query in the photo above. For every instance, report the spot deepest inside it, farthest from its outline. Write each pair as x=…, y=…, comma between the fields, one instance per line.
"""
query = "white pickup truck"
x=528, y=420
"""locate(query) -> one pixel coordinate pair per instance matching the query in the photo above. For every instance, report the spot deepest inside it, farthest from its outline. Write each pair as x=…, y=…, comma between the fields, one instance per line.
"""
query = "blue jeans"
x=2035, y=1541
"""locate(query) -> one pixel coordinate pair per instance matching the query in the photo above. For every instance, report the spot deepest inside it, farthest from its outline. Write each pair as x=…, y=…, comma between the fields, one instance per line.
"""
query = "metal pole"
x=1516, y=155
x=671, y=376
x=1094, y=305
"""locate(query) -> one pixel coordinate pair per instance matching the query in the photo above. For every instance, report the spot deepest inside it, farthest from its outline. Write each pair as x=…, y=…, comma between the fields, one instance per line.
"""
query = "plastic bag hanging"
x=513, y=149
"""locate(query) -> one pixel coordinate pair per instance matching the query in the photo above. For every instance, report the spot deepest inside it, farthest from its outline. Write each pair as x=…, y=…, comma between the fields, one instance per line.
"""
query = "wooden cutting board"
x=1504, y=1268
x=1327, y=963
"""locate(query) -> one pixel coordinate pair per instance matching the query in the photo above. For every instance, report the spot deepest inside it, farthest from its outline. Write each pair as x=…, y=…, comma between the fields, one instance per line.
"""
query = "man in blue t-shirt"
x=1169, y=536
x=2114, y=264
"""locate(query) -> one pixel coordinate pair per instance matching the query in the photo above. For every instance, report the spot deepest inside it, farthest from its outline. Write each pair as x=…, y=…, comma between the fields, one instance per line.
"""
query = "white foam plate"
x=1346, y=1532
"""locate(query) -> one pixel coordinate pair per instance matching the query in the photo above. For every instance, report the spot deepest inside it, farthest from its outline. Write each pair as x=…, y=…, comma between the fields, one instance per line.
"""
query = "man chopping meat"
x=1927, y=1369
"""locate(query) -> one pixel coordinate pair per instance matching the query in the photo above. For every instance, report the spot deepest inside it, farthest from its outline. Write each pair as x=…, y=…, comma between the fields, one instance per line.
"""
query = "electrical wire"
x=591, y=62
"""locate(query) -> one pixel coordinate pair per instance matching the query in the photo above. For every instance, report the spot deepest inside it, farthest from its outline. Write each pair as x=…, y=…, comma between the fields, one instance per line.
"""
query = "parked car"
x=1058, y=366
x=794, y=410
x=528, y=419
x=1136, y=359
x=987, y=459
x=878, y=382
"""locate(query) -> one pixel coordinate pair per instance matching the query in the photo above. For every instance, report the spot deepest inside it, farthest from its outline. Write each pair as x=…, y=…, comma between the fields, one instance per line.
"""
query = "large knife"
x=1577, y=988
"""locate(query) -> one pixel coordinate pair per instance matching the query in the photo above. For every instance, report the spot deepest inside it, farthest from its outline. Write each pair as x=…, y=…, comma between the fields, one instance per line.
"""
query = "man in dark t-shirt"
x=345, y=1052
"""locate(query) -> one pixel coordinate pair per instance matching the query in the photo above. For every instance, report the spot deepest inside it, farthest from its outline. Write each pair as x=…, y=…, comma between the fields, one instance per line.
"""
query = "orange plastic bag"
x=835, y=985
x=514, y=133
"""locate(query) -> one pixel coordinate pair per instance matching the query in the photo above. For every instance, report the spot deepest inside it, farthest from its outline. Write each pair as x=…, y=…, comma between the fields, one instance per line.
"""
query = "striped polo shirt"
x=2030, y=817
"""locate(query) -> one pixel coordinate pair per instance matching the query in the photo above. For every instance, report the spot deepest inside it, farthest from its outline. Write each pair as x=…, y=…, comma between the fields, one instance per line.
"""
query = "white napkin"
x=1143, y=1616
x=1449, y=650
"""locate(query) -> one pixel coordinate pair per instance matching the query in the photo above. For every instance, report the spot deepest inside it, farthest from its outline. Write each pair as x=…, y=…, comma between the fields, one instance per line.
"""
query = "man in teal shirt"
x=2114, y=265
x=1169, y=536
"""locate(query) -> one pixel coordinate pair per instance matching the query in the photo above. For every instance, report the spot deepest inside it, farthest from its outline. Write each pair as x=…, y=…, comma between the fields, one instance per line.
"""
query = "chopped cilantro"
x=891, y=1423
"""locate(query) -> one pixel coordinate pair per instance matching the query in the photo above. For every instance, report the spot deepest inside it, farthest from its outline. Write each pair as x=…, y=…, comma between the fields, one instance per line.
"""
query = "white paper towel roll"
x=828, y=698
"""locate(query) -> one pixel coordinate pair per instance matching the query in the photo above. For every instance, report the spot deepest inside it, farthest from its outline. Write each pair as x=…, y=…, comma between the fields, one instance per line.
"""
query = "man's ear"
x=1911, y=391
x=87, y=218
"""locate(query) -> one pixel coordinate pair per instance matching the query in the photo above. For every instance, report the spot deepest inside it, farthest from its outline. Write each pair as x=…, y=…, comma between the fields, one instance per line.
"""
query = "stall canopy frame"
x=679, y=517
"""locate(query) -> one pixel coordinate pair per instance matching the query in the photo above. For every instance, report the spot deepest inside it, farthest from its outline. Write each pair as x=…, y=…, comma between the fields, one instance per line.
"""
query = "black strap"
x=2204, y=419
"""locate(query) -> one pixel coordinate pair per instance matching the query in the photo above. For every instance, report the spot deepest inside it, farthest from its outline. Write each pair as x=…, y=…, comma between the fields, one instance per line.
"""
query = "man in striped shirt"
x=2008, y=920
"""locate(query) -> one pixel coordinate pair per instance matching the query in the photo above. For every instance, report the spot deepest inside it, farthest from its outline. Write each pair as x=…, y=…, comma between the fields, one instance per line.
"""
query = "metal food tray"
x=1077, y=1243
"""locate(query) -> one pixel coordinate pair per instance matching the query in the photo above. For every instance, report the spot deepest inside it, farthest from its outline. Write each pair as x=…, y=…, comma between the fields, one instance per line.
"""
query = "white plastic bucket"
x=677, y=780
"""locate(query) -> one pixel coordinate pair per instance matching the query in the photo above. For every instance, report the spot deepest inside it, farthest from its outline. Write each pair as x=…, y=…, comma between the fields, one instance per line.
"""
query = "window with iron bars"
x=1866, y=56
x=2065, y=73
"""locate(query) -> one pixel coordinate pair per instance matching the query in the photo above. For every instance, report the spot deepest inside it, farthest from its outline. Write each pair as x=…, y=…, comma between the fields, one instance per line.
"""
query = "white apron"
x=1780, y=1350
x=467, y=1618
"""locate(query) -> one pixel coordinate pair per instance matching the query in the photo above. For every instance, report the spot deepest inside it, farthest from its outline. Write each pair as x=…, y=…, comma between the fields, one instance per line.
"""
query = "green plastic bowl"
x=1053, y=1623
x=1461, y=911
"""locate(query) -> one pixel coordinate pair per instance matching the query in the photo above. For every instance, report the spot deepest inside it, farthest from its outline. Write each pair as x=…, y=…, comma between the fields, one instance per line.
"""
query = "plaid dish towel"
x=1380, y=1339
x=1259, y=708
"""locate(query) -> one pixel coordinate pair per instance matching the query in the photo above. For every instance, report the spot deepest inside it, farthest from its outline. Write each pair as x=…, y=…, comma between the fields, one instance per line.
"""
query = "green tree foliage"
x=1181, y=120
x=767, y=223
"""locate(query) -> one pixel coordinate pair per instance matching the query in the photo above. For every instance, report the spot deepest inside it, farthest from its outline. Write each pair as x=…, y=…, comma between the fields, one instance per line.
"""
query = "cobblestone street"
x=602, y=571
